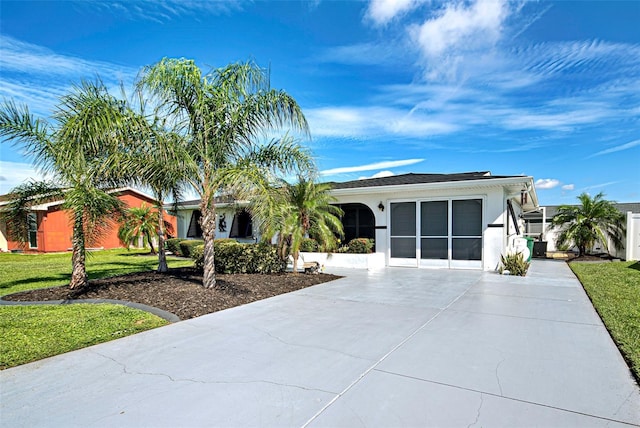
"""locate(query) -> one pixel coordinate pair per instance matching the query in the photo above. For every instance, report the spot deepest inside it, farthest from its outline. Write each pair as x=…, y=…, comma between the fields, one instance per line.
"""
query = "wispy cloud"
x=619, y=148
x=13, y=174
x=164, y=11
x=371, y=166
x=568, y=187
x=547, y=183
x=365, y=122
x=378, y=175
x=383, y=11
x=38, y=76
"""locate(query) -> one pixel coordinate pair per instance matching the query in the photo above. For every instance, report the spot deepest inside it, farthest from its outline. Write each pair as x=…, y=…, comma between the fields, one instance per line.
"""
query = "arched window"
x=358, y=221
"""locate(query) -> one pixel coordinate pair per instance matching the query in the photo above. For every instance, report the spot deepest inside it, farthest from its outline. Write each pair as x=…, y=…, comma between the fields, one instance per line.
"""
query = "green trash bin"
x=529, y=246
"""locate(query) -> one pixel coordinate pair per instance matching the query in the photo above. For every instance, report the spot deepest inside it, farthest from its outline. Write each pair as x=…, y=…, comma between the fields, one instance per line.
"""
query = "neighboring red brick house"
x=50, y=228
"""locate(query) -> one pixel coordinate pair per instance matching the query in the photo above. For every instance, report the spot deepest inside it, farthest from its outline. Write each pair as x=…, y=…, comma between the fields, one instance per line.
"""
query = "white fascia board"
x=522, y=182
x=170, y=207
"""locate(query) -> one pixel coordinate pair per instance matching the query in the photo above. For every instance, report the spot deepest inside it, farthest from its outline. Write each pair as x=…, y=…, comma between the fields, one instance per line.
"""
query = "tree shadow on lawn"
x=37, y=280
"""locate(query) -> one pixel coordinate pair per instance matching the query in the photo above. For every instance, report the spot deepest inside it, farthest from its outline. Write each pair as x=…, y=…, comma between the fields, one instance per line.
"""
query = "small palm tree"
x=140, y=222
x=223, y=115
x=301, y=210
x=79, y=149
x=595, y=219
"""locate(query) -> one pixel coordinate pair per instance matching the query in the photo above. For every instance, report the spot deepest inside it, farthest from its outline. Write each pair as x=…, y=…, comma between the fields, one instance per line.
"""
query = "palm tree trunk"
x=296, y=254
x=153, y=250
x=208, y=226
x=162, y=256
x=79, y=277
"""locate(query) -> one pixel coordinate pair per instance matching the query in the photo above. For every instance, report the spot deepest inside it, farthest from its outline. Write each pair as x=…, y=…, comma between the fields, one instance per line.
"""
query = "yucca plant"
x=514, y=263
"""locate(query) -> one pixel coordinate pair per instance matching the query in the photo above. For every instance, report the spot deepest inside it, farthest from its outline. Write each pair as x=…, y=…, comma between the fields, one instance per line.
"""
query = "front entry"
x=445, y=233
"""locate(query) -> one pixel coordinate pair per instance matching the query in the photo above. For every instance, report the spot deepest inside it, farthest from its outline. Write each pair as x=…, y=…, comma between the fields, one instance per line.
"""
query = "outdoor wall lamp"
x=381, y=206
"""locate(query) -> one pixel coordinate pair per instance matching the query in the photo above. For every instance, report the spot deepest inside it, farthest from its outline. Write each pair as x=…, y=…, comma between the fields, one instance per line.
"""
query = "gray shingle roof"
x=412, y=178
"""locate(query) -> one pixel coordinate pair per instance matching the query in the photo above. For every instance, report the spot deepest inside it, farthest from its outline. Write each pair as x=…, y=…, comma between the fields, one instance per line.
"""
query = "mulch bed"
x=180, y=291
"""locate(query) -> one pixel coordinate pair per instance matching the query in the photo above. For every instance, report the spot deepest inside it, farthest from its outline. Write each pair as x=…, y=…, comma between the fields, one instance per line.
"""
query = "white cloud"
x=380, y=174
x=37, y=76
x=163, y=11
x=568, y=187
x=459, y=30
x=362, y=122
x=371, y=167
x=619, y=148
x=546, y=183
x=383, y=11
x=13, y=174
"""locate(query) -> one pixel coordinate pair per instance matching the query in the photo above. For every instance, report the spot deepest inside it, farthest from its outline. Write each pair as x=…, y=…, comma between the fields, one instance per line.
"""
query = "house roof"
x=412, y=178
x=6, y=199
x=552, y=210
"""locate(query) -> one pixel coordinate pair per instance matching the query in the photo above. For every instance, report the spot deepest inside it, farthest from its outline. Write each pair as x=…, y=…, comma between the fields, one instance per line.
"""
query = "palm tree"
x=79, y=149
x=594, y=219
x=224, y=116
x=144, y=222
x=301, y=210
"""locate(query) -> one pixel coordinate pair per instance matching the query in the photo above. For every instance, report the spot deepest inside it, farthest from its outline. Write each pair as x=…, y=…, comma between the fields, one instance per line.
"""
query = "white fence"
x=633, y=236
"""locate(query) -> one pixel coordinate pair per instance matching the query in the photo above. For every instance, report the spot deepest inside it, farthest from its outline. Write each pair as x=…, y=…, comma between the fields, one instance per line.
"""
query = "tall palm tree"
x=156, y=160
x=79, y=149
x=594, y=219
x=301, y=210
x=225, y=116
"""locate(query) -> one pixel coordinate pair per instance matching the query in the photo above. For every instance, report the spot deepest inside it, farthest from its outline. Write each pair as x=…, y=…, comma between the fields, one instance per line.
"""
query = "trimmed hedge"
x=186, y=246
x=233, y=257
x=309, y=245
x=173, y=245
x=360, y=246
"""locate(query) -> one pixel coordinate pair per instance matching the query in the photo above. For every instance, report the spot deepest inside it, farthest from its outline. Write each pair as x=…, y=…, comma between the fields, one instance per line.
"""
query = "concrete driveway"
x=395, y=347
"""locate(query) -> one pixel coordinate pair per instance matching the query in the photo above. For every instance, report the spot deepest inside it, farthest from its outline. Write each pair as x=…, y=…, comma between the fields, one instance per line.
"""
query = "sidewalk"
x=395, y=347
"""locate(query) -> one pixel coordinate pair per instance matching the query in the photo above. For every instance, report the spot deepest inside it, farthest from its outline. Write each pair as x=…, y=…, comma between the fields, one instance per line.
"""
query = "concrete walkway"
x=395, y=347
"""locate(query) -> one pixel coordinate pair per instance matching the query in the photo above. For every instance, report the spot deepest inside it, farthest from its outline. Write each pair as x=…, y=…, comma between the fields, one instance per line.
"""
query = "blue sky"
x=547, y=89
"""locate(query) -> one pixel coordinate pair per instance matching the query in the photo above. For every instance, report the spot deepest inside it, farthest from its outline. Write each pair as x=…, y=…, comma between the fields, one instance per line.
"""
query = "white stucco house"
x=452, y=221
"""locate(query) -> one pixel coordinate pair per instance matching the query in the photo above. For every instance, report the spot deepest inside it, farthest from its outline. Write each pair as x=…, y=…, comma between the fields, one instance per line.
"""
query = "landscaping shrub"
x=187, y=245
x=360, y=246
x=514, y=263
x=233, y=257
x=173, y=245
x=225, y=241
x=309, y=245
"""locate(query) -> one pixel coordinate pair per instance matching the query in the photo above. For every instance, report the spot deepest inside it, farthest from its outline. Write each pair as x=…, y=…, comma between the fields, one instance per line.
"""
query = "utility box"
x=540, y=249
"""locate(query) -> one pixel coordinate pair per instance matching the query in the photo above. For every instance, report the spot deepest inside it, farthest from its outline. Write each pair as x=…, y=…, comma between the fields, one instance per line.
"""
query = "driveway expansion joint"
x=506, y=397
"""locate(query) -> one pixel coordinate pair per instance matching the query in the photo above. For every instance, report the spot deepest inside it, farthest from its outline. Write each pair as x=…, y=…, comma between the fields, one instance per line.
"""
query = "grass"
x=614, y=289
x=20, y=272
x=30, y=333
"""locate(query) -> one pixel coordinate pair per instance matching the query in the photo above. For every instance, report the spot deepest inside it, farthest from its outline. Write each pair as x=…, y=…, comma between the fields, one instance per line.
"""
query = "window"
x=195, y=231
x=32, y=221
x=358, y=222
x=242, y=226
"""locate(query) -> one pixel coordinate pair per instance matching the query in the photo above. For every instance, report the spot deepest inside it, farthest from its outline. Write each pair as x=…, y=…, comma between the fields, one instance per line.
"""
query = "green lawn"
x=19, y=272
x=29, y=333
x=614, y=289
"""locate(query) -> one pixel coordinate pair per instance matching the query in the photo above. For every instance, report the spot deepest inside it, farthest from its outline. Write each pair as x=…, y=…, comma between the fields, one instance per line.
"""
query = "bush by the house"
x=187, y=245
x=173, y=245
x=233, y=257
x=514, y=263
x=309, y=245
x=360, y=246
